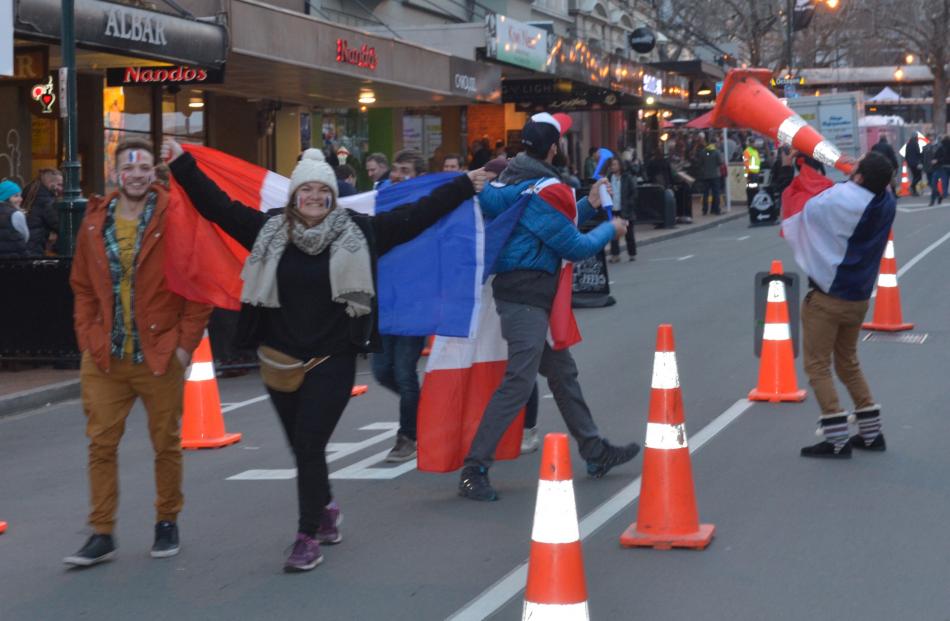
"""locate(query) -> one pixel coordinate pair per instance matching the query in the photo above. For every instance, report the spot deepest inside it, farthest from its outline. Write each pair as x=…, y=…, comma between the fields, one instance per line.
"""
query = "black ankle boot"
x=878, y=445
x=826, y=450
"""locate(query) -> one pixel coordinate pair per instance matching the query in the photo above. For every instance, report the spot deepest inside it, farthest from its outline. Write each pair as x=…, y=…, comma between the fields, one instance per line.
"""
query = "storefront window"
x=183, y=116
x=126, y=111
x=346, y=128
x=422, y=132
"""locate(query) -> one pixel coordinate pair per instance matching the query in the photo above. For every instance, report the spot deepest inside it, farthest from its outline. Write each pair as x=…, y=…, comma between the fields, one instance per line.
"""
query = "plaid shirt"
x=115, y=268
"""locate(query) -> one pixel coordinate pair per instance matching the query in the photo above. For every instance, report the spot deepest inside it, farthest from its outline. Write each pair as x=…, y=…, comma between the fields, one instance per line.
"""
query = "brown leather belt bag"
x=282, y=372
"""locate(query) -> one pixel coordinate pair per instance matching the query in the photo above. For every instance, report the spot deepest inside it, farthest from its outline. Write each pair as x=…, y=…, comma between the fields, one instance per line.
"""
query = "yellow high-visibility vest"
x=751, y=160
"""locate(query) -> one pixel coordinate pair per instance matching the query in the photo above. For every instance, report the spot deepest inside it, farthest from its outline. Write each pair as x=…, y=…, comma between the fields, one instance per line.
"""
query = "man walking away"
x=524, y=287
x=912, y=157
x=838, y=240
x=136, y=339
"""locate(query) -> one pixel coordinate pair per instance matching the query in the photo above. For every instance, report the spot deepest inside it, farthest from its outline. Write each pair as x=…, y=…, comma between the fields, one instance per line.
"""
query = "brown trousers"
x=831, y=325
x=107, y=399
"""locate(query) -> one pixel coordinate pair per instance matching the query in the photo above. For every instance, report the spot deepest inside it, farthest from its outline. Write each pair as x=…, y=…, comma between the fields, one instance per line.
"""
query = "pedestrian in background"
x=39, y=204
x=884, y=148
x=838, y=240
x=927, y=161
x=709, y=161
x=14, y=232
x=912, y=157
x=452, y=163
x=377, y=167
x=524, y=288
x=941, y=172
x=346, y=180
x=590, y=164
x=136, y=339
x=624, y=186
x=309, y=305
x=395, y=367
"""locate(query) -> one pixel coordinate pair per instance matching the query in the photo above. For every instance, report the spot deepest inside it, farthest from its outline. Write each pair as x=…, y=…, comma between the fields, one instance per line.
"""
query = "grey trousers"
x=525, y=329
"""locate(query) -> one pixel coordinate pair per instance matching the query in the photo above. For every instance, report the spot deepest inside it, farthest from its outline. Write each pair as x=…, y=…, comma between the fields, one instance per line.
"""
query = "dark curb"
x=44, y=396
x=686, y=229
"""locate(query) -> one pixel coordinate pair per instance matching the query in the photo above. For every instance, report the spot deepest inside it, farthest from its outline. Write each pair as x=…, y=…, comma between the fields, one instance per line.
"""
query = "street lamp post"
x=73, y=206
x=789, y=33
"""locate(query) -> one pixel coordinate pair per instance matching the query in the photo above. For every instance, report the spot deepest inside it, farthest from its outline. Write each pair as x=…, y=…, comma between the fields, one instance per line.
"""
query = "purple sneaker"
x=329, y=532
x=305, y=555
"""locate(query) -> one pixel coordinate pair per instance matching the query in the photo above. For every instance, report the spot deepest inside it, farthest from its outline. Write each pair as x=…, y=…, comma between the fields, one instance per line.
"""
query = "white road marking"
x=743, y=238
x=234, y=406
x=923, y=253
x=496, y=596
x=362, y=469
x=686, y=258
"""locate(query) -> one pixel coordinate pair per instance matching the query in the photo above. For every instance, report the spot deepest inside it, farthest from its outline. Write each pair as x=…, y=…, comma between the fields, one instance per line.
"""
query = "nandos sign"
x=363, y=56
x=144, y=76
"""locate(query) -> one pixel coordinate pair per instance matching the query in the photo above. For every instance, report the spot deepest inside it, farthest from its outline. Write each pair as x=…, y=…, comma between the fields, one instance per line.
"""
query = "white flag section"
x=461, y=377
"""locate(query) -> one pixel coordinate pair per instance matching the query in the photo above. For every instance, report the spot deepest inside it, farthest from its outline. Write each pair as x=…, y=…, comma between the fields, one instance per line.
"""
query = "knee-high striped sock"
x=869, y=423
x=834, y=427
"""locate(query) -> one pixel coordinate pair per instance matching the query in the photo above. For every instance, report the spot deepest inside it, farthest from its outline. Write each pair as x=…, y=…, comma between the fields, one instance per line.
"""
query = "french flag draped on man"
x=431, y=285
x=830, y=228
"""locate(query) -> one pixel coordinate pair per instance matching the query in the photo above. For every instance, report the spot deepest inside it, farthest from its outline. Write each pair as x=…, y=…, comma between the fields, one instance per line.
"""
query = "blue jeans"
x=942, y=174
x=711, y=186
x=395, y=368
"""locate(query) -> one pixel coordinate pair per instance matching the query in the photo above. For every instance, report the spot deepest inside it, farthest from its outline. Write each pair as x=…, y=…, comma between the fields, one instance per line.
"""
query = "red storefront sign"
x=144, y=76
x=364, y=56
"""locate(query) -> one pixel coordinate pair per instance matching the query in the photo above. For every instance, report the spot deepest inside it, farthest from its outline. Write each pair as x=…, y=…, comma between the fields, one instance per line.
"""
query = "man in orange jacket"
x=136, y=338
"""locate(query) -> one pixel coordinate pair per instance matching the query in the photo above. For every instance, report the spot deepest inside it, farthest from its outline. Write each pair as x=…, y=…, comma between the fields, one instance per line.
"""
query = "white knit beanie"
x=313, y=167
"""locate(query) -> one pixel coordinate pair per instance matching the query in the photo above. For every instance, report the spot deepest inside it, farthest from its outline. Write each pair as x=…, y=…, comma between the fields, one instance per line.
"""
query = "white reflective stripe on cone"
x=665, y=374
x=776, y=332
x=790, y=127
x=555, y=515
x=776, y=291
x=889, y=250
x=555, y=612
x=887, y=280
x=665, y=437
x=200, y=371
x=827, y=153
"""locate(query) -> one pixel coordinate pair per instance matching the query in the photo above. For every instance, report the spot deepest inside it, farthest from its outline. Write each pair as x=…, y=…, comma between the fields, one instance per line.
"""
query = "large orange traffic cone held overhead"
x=887, y=307
x=777, y=379
x=745, y=101
x=202, y=424
x=557, y=589
x=667, y=516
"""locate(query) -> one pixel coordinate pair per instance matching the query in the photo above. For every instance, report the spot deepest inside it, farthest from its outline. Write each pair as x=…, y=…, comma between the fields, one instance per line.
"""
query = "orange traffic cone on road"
x=3, y=527
x=557, y=589
x=667, y=516
x=904, y=190
x=359, y=389
x=202, y=424
x=777, y=379
x=746, y=102
x=887, y=308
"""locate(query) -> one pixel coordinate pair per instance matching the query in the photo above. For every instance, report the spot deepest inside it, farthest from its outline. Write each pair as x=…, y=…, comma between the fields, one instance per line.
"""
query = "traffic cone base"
x=795, y=396
x=633, y=538
x=359, y=389
x=202, y=423
x=887, y=327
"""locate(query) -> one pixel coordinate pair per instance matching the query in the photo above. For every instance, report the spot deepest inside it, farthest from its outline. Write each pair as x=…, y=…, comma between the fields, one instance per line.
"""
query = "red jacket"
x=165, y=320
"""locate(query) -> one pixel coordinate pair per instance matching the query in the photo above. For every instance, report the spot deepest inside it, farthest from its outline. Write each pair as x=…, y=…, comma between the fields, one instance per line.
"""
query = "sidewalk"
x=21, y=391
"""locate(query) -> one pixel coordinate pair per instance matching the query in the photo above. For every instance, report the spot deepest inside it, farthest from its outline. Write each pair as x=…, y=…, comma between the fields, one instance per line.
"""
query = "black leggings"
x=309, y=417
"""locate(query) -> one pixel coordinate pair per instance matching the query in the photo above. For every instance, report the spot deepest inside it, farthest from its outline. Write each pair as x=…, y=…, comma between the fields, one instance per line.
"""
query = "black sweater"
x=308, y=323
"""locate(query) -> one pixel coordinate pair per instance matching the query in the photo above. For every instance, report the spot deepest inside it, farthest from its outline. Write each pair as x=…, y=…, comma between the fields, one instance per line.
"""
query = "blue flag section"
x=432, y=284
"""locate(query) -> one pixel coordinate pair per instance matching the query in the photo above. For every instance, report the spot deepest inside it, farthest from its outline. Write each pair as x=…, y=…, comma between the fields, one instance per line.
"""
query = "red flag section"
x=205, y=265
x=808, y=184
x=461, y=377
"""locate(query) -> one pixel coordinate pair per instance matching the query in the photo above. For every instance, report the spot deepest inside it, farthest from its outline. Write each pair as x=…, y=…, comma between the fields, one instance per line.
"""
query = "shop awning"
x=127, y=30
x=703, y=121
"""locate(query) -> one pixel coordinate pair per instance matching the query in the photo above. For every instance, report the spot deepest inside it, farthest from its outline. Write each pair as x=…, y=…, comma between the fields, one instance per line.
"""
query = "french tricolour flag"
x=837, y=232
x=430, y=285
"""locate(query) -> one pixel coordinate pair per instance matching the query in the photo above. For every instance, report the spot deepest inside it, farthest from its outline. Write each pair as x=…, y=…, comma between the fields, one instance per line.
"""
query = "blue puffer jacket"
x=544, y=235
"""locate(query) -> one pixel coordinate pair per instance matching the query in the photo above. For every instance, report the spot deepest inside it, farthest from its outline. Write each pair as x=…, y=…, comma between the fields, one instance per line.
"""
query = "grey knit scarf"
x=351, y=275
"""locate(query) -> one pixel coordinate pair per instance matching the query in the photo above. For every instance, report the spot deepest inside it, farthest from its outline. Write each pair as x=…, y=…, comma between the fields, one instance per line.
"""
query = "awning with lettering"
x=128, y=30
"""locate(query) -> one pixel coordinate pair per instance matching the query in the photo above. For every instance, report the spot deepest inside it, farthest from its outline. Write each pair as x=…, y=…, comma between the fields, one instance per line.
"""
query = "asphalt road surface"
x=861, y=539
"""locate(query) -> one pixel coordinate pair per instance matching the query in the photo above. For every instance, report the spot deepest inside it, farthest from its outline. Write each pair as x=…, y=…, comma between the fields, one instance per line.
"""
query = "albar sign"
x=364, y=56
x=133, y=27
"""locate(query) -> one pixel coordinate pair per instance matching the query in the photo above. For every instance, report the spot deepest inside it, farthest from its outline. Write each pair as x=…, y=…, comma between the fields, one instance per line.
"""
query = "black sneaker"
x=826, y=450
x=166, y=540
x=878, y=445
x=612, y=456
x=98, y=549
x=474, y=484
